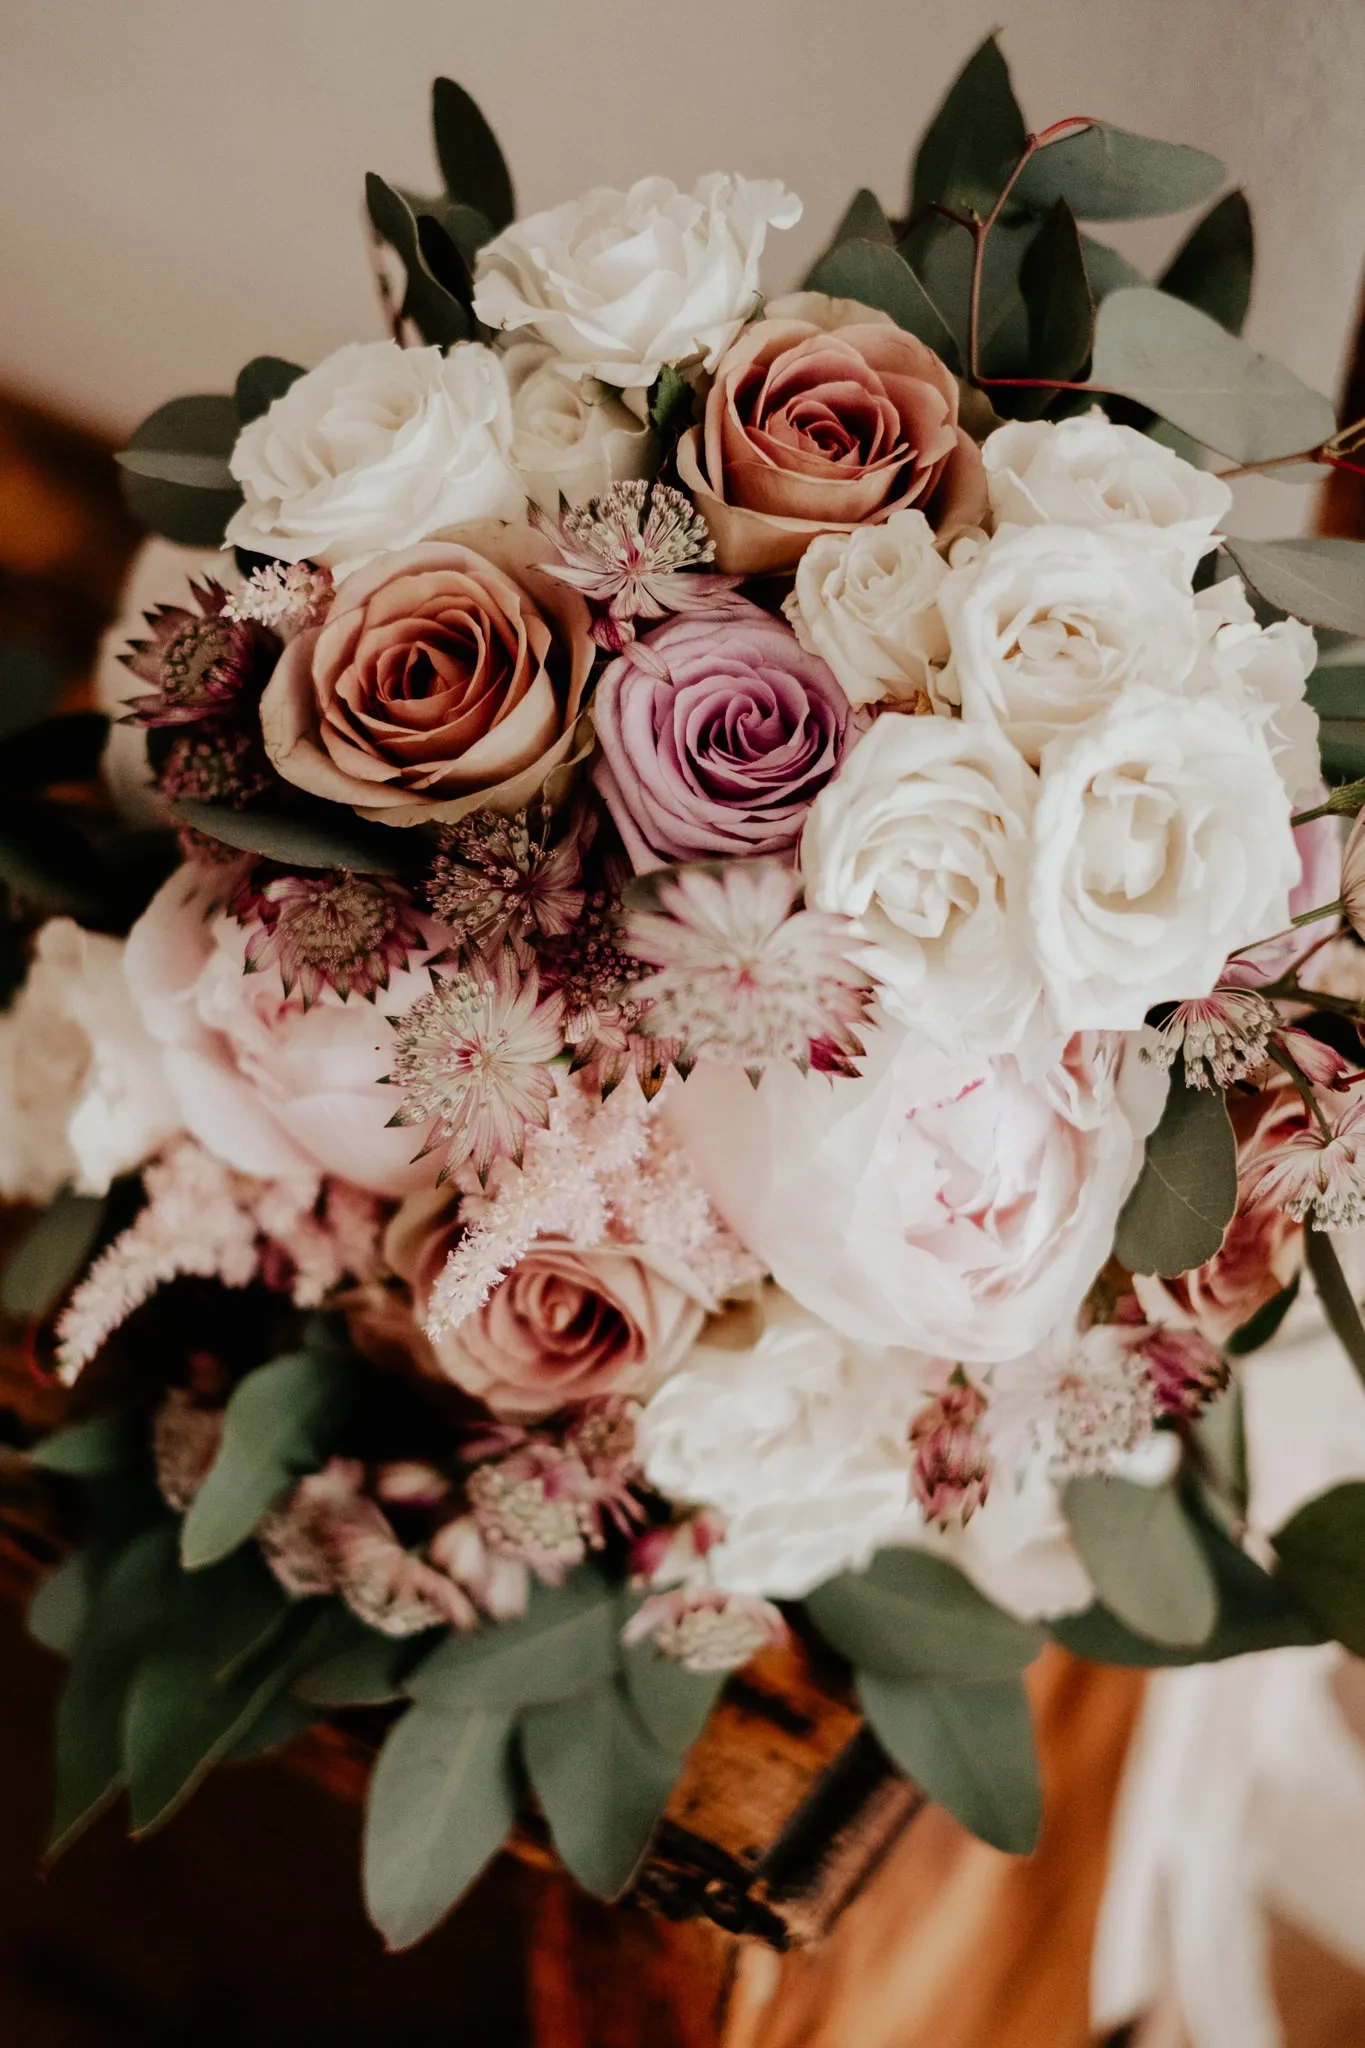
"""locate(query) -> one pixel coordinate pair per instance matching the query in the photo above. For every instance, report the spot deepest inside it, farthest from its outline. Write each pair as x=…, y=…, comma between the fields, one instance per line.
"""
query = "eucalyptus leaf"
x=1338, y=692
x=1144, y=1557
x=1183, y=1201
x=325, y=838
x=877, y=275
x=1260, y=1328
x=30, y=683
x=99, y=1445
x=940, y=253
x=472, y=164
x=260, y=382
x=64, y=749
x=283, y=1720
x=190, y=497
x=969, y=1747
x=1338, y=1303
x=1319, y=581
x=1106, y=270
x=1107, y=173
x=673, y=1703
x=359, y=1667
x=864, y=220
x=60, y=1607
x=1213, y=266
x=1056, y=294
x=50, y=1254
x=566, y=1642
x=434, y=309
x=974, y=140
x=442, y=1801
x=1321, y=1552
x=602, y=1782
x=1178, y=361
x=912, y=1615
x=280, y=1424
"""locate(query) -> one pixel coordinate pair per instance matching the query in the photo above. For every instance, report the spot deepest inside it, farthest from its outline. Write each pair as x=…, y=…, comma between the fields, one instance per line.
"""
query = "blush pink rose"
x=567, y=1324
x=1319, y=847
x=718, y=731
x=824, y=415
x=443, y=678
x=269, y=1086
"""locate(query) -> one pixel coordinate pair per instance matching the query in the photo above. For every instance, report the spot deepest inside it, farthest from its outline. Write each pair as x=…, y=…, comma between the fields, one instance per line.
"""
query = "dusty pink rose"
x=823, y=416
x=718, y=731
x=265, y=1084
x=1320, y=881
x=1262, y=1249
x=443, y=678
x=567, y=1324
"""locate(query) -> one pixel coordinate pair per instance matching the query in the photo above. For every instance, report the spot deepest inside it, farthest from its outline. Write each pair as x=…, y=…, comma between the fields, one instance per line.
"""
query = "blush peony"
x=954, y=1205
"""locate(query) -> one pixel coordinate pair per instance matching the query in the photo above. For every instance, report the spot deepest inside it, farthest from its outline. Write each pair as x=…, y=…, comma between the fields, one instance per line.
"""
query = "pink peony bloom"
x=269, y=1086
x=956, y=1205
x=718, y=731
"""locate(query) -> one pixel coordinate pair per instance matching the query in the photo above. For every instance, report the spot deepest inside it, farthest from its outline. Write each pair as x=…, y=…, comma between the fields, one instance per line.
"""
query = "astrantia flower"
x=1084, y=1399
x=951, y=1473
x=1223, y=1037
x=1185, y=1370
x=628, y=552
x=285, y=597
x=215, y=768
x=742, y=976
x=604, y=1019
x=498, y=881
x=704, y=1627
x=473, y=1061
x=1317, y=1176
x=197, y=662
x=527, y=1508
x=327, y=929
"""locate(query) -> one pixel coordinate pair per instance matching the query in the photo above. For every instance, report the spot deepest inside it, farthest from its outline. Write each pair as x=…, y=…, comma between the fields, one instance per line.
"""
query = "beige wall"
x=181, y=179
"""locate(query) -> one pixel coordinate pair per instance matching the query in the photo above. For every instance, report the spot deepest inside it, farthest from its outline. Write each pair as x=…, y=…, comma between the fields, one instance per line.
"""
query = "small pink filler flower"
x=628, y=553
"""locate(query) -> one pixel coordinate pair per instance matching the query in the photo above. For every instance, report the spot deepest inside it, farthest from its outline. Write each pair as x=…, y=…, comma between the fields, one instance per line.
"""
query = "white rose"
x=1088, y=472
x=867, y=603
x=925, y=836
x=800, y=1442
x=83, y=1091
x=1264, y=671
x=1163, y=845
x=376, y=449
x=569, y=440
x=952, y=1205
x=620, y=283
x=1051, y=624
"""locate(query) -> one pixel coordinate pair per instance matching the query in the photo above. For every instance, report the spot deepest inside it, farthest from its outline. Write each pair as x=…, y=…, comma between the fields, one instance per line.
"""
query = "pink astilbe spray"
x=206, y=1221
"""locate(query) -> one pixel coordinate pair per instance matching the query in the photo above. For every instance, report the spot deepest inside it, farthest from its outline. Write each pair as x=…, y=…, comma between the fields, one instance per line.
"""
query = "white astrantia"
x=1088, y=472
x=377, y=448
x=800, y=1442
x=1163, y=844
x=925, y=837
x=621, y=283
x=1263, y=672
x=1051, y=625
x=83, y=1090
x=570, y=440
x=867, y=603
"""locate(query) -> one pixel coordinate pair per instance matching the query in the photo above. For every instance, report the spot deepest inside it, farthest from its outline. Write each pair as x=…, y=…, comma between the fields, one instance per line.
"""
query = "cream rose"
x=1163, y=845
x=952, y=1205
x=1089, y=472
x=570, y=440
x=925, y=836
x=1049, y=625
x=867, y=603
x=1263, y=671
x=377, y=448
x=620, y=283
x=83, y=1093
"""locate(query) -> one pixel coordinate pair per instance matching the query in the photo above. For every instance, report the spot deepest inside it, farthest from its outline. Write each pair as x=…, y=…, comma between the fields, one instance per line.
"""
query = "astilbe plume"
x=326, y=929
x=598, y=1172
x=203, y=1219
x=285, y=597
x=635, y=553
x=742, y=975
x=197, y=662
x=473, y=1063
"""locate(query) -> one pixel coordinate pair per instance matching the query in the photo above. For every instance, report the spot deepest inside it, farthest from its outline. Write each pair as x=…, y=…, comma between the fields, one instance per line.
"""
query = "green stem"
x=1283, y=1058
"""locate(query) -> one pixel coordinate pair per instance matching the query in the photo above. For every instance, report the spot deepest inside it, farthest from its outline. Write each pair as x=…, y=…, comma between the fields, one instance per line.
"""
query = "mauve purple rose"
x=718, y=731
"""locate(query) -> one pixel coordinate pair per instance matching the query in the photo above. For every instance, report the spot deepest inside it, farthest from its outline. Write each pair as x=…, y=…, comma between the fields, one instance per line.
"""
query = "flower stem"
x=1284, y=1058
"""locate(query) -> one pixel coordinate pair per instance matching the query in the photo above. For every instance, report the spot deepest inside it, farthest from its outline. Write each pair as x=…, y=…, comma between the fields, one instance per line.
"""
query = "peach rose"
x=1262, y=1249
x=825, y=416
x=566, y=1324
x=444, y=678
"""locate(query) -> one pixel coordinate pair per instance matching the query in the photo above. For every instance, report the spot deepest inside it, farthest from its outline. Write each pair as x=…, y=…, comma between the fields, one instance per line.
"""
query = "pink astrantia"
x=197, y=662
x=473, y=1062
x=741, y=975
x=499, y=881
x=1317, y=1175
x=634, y=553
x=327, y=930
x=1223, y=1037
x=952, y=1469
x=705, y=1628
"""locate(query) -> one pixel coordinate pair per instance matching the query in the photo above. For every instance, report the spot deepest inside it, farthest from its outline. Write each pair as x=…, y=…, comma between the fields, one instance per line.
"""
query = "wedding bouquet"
x=747, y=998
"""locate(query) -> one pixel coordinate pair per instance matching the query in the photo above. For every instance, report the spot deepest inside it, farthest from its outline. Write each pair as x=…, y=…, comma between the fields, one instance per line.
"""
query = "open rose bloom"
x=752, y=995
